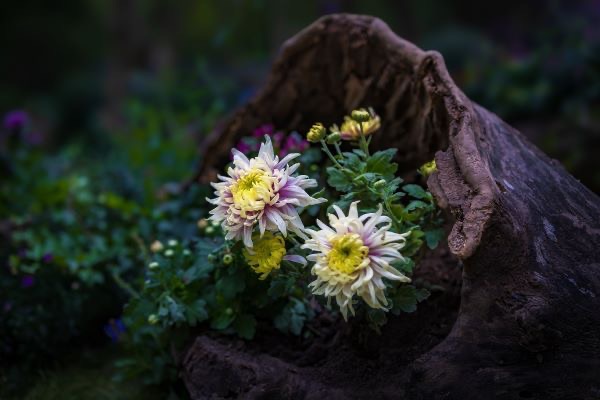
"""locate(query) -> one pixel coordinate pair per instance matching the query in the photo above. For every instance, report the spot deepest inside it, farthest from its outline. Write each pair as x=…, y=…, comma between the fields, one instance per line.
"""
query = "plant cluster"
x=266, y=258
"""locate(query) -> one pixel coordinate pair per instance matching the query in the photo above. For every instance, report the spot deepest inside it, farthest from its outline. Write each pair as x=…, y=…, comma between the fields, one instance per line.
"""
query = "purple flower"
x=15, y=120
x=27, y=281
x=263, y=130
x=115, y=329
x=47, y=258
x=22, y=252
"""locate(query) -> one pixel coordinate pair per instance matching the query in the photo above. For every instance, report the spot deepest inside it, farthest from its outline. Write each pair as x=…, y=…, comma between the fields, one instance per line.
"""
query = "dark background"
x=74, y=65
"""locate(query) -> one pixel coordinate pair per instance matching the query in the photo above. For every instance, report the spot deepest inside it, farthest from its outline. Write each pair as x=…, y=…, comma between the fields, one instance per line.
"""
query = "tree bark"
x=527, y=232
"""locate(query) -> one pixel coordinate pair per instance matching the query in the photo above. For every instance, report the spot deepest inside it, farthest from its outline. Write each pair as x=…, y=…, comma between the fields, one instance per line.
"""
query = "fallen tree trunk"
x=527, y=233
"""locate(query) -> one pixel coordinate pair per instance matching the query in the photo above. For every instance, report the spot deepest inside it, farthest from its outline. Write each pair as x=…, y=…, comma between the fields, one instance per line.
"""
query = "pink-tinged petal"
x=248, y=237
x=240, y=159
x=281, y=164
x=295, y=258
x=274, y=217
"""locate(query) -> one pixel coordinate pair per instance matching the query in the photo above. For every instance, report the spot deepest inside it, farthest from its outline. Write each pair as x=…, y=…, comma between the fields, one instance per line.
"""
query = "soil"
x=340, y=358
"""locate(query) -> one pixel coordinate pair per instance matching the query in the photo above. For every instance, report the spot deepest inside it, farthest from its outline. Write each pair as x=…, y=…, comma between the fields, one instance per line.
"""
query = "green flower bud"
x=227, y=259
x=187, y=253
x=380, y=184
x=169, y=253
x=210, y=230
x=172, y=243
x=360, y=115
x=428, y=168
x=316, y=133
x=153, y=265
x=228, y=311
x=153, y=319
x=334, y=138
x=216, y=224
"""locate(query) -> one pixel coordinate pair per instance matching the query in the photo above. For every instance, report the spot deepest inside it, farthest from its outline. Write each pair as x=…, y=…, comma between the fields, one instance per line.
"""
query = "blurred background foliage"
x=75, y=64
x=105, y=103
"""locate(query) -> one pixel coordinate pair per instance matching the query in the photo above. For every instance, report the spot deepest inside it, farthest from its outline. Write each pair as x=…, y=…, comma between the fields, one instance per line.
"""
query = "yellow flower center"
x=347, y=253
x=267, y=253
x=252, y=190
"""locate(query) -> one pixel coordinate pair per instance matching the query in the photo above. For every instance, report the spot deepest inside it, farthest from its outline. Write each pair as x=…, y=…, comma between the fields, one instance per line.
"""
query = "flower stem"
x=364, y=145
x=331, y=157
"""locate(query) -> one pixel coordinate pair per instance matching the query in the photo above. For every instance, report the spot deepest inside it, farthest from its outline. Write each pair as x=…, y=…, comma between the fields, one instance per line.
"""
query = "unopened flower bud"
x=216, y=224
x=153, y=265
x=187, y=253
x=428, y=168
x=153, y=319
x=156, y=246
x=169, y=253
x=380, y=184
x=229, y=311
x=209, y=230
x=202, y=223
x=360, y=115
x=316, y=133
x=334, y=138
x=172, y=243
x=227, y=259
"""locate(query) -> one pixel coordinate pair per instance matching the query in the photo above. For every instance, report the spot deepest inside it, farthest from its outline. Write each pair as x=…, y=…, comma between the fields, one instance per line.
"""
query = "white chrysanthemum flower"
x=353, y=256
x=261, y=191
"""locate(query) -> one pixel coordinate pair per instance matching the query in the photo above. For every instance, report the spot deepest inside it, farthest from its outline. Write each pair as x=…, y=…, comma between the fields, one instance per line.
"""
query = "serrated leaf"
x=433, y=237
x=416, y=204
x=230, y=285
x=415, y=191
x=405, y=266
x=196, y=312
x=245, y=326
x=380, y=163
x=405, y=299
x=338, y=180
x=422, y=294
x=222, y=320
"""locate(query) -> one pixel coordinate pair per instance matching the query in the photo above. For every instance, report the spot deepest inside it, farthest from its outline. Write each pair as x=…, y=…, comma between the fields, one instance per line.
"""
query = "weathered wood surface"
x=527, y=232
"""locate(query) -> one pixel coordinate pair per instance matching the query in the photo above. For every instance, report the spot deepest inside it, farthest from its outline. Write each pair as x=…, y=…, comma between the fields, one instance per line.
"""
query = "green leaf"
x=245, y=326
x=292, y=317
x=281, y=286
x=422, y=294
x=380, y=162
x=405, y=299
x=415, y=191
x=222, y=320
x=416, y=204
x=338, y=180
x=433, y=237
x=196, y=312
x=406, y=266
x=230, y=285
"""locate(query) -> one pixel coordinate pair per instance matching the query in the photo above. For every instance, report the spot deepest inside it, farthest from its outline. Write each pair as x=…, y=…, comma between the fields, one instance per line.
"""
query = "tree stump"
x=527, y=233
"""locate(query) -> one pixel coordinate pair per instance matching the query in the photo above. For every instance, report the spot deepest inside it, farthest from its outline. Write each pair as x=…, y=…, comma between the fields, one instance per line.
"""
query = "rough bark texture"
x=527, y=233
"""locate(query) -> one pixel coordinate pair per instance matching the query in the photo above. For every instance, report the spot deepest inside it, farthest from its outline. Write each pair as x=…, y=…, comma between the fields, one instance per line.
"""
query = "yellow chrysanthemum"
x=350, y=129
x=266, y=255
